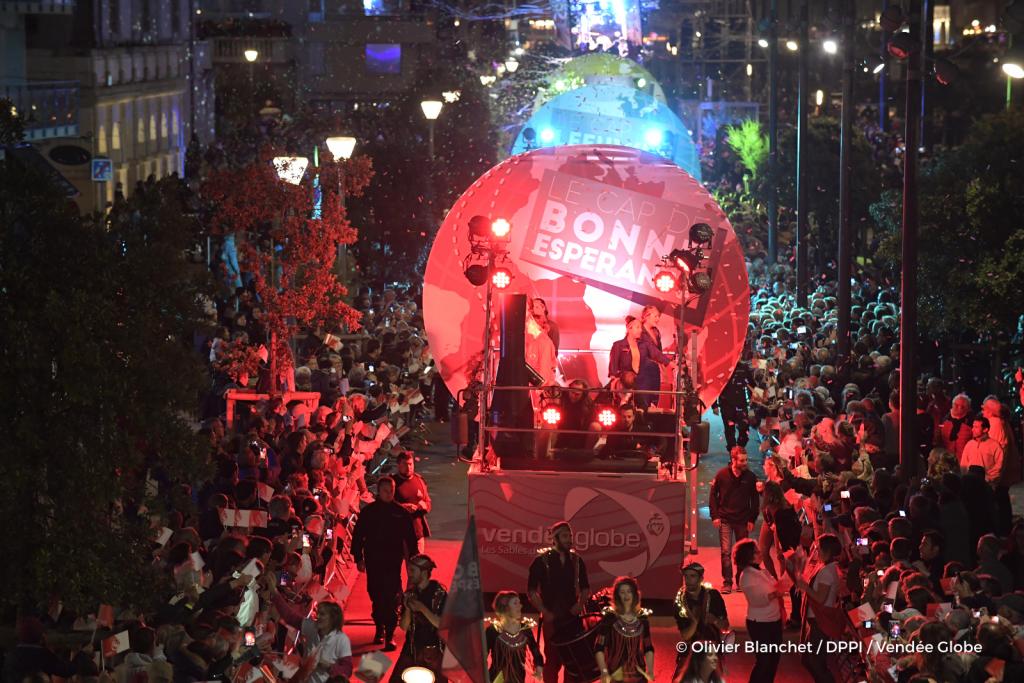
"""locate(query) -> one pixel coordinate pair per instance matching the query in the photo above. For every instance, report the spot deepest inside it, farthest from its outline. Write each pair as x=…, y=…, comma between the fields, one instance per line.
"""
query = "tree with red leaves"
x=289, y=254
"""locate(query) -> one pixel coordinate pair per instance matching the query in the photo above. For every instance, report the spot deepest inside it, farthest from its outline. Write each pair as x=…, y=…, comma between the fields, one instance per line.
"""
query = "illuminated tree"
x=289, y=253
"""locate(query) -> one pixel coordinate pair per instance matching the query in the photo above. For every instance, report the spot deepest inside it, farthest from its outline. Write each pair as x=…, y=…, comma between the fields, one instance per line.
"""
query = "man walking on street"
x=383, y=538
x=411, y=493
x=734, y=507
x=558, y=587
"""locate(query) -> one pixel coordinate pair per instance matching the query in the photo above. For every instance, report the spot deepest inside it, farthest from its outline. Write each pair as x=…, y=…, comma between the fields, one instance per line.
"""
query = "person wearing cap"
x=699, y=611
x=383, y=538
x=558, y=587
x=734, y=505
x=422, y=605
x=412, y=494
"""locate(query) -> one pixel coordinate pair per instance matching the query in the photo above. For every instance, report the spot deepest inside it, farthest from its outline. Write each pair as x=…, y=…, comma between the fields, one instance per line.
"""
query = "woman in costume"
x=623, y=648
x=509, y=639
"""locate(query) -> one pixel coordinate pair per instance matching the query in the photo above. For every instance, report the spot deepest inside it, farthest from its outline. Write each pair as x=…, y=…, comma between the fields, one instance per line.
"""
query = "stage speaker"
x=700, y=437
x=512, y=408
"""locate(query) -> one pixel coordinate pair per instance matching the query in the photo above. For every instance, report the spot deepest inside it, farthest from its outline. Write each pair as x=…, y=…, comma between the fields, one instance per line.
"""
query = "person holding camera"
x=422, y=605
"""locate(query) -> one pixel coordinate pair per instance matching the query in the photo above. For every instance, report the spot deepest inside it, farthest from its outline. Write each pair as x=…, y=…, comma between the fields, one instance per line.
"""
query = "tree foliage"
x=98, y=383
x=289, y=253
x=750, y=144
x=971, y=199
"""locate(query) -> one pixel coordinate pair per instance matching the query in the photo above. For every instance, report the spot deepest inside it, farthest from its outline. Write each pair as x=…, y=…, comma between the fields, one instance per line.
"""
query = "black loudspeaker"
x=700, y=437
x=512, y=408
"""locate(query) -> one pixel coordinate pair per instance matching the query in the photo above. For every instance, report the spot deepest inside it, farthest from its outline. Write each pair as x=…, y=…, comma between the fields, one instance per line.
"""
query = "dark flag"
x=462, y=622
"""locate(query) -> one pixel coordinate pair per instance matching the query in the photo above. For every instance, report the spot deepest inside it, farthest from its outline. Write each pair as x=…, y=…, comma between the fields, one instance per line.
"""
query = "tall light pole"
x=251, y=55
x=1013, y=71
x=431, y=110
x=908, y=267
x=773, y=133
x=801, y=160
x=290, y=170
x=341, y=148
x=844, y=255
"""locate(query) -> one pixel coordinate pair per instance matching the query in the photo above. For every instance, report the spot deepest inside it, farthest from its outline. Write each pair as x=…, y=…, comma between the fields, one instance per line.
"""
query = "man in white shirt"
x=983, y=451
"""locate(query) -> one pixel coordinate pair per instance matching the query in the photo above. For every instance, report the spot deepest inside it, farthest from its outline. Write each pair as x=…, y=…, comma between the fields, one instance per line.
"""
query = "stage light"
x=665, y=281
x=417, y=674
x=946, y=71
x=700, y=283
x=607, y=417
x=761, y=42
x=701, y=233
x=547, y=135
x=501, y=278
x=902, y=45
x=500, y=228
x=653, y=137
x=479, y=227
x=830, y=46
x=687, y=260
x=476, y=274
x=551, y=416
x=792, y=45
x=879, y=68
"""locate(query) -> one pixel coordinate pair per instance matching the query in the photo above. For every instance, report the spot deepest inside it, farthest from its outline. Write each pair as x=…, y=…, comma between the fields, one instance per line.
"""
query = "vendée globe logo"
x=649, y=543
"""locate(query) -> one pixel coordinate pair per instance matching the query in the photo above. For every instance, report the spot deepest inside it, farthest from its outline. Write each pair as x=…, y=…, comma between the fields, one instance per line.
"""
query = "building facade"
x=145, y=87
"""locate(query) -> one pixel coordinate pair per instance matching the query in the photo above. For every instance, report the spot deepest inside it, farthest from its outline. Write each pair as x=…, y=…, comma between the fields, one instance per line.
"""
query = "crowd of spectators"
x=930, y=555
x=252, y=565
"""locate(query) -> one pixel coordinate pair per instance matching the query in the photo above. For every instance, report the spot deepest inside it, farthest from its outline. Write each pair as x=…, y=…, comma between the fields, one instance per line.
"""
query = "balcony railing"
x=38, y=6
x=48, y=109
x=271, y=50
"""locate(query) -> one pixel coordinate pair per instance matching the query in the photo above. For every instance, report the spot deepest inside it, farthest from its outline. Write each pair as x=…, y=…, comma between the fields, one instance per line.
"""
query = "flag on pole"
x=462, y=622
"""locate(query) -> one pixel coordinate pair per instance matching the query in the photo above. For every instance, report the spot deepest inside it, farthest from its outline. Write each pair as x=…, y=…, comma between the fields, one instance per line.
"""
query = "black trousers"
x=765, y=664
x=817, y=663
x=384, y=585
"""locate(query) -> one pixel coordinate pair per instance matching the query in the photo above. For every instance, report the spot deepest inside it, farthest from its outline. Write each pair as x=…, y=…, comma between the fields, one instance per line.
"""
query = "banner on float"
x=623, y=525
x=611, y=235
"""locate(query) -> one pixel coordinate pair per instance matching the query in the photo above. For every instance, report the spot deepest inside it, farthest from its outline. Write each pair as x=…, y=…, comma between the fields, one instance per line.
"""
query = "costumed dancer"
x=509, y=639
x=623, y=648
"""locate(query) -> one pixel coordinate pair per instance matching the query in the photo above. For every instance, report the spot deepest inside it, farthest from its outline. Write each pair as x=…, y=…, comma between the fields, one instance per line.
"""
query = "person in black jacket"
x=734, y=506
x=382, y=540
x=781, y=529
x=733, y=407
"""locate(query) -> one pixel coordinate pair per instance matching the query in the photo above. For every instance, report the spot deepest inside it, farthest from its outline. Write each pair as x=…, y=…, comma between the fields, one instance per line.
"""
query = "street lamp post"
x=801, y=160
x=290, y=170
x=251, y=55
x=1013, y=71
x=844, y=255
x=431, y=110
x=341, y=147
x=773, y=134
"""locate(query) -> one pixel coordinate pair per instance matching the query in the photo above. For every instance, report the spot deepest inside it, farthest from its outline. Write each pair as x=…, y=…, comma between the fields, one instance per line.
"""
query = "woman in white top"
x=332, y=656
x=764, y=607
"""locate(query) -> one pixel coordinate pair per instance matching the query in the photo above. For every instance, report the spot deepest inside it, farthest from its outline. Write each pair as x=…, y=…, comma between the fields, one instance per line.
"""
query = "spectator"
x=983, y=451
x=764, y=608
x=734, y=504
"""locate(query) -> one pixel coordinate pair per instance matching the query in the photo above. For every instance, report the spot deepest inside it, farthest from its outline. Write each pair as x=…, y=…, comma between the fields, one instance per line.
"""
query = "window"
x=152, y=127
x=176, y=17
x=384, y=58
x=101, y=140
x=175, y=122
x=140, y=136
x=163, y=125
x=940, y=26
x=114, y=9
x=317, y=65
x=115, y=136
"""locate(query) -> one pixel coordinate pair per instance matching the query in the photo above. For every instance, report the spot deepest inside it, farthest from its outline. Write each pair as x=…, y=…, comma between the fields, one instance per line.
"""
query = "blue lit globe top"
x=611, y=115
